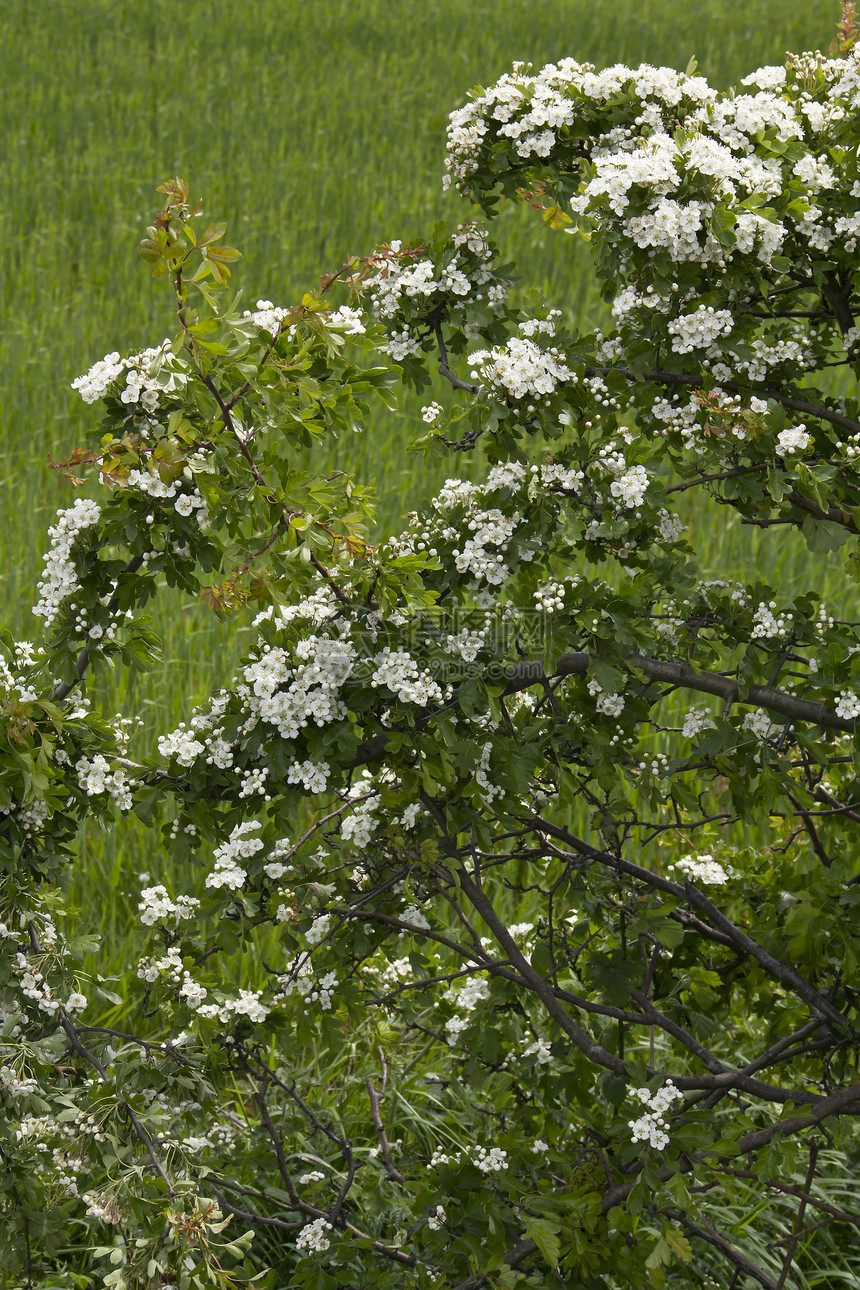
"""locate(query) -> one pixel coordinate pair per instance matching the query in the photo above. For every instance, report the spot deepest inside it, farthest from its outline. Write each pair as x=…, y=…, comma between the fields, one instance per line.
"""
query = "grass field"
x=316, y=129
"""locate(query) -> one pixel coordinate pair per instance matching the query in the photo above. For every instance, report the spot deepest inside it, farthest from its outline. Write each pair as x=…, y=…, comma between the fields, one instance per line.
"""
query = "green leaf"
x=722, y=225
x=613, y=1087
x=555, y=218
x=661, y=1253
x=226, y=254
x=678, y=1243
x=212, y=233
x=824, y=535
x=545, y=1236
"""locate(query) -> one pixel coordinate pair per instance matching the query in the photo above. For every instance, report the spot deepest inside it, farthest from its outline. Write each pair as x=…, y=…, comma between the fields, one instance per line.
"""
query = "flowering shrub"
x=504, y=820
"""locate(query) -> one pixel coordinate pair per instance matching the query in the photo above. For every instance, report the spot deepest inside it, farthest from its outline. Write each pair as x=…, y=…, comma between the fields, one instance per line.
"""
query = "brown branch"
x=684, y=677
x=147, y=1142
x=838, y=1103
x=735, y=1256
x=513, y=1258
x=688, y=892
x=678, y=674
x=811, y=831
x=247, y=1217
x=593, y=1051
x=776, y=1050
x=82, y=1051
x=720, y=475
x=682, y=378
x=384, y=1145
x=798, y=1219
x=408, y=1260
x=806, y=1231
x=837, y=297
x=444, y=369
x=834, y=513
x=337, y=591
x=657, y=1018
x=277, y=1142
x=229, y=424
x=791, y=1189
x=455, y=381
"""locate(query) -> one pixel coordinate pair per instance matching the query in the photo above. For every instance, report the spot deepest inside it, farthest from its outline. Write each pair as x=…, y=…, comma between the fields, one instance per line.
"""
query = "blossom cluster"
x=313, y=1236
x=14, y=679
x=310, y=987
x=463, y=270
x=488, y=1159
x=651, y=1127
x=61, y=578
x=95, y=777
x=656, y=178
x=241, y=845
x=473, y=991
x=287, y=693
x=702, y=868
x=523, y=368
x=185, y=503
x=679, y=185
x=148, y=374
x=156, y=906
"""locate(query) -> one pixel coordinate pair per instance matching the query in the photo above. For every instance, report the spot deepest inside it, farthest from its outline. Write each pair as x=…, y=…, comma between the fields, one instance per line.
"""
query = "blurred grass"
x=316, y=129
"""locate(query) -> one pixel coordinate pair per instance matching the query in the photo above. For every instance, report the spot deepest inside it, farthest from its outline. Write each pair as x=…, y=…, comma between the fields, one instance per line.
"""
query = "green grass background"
x=316, y=129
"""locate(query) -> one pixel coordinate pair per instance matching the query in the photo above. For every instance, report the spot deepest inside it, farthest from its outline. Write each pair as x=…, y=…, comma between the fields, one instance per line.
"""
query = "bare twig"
x=798, y=1218
x=384, y=1145
x=736, y=1257
x=82, y=1051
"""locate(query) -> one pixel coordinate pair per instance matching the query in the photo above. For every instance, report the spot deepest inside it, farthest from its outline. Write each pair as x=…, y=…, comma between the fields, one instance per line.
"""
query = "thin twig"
x=384, y=1145
x=798, y=1219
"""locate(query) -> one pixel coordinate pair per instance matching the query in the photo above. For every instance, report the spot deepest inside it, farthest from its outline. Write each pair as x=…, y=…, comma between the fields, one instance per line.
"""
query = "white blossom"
x=704, y=869
x=313, y=1237
x=240, y=846
x=847, y=705
x=492, y=1161
x=415, y=918
x=697, y=720
x=436, y=1218
x=795, y=439
x=521, y=368
x=651, y=1127
x=60, y=578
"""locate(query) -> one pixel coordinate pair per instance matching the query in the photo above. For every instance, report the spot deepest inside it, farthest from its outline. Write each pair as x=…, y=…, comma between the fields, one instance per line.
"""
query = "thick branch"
x=696, y=380
x=834, y=513
x=783, y=972
x=791, y=1189
x=513, y=1258
x=669, y=672
x=845, y=1100
x=838, y=1103
x=837, y=297
x=735, y=1256
x=684, y=677
x=593, y=1051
